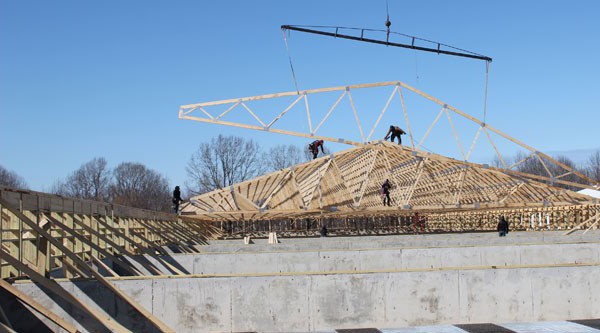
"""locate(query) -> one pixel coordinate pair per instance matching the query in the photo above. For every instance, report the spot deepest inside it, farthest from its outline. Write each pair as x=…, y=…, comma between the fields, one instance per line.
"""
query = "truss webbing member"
x=313, y=147
x=395, y=132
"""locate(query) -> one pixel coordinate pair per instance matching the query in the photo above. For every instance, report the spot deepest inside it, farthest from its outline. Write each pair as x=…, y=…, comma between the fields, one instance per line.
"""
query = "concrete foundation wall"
x=384, y=259
x=513, y=235
x=324, y=302
x=395, y=241
x=384, y=282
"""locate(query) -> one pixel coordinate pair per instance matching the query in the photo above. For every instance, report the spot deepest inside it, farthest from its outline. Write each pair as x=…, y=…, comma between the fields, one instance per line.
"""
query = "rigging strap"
x=487, y=74
x=290, y=58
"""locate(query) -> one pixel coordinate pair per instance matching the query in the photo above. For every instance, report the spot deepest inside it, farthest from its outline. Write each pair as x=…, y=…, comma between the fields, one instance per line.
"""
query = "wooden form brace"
x=40, y=233
x=79, y=263
x=54, y=287
x=38, y=307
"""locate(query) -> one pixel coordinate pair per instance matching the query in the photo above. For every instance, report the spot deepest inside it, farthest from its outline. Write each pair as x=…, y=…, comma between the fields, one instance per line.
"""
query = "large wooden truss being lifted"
x=556, y=171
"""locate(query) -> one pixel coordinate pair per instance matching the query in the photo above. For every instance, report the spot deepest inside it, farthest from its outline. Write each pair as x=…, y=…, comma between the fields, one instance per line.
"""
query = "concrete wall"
x=395, y=241
x=390, y=259
x=539, y=235
x=324, y=302
x=324, y=284
x=385, y=259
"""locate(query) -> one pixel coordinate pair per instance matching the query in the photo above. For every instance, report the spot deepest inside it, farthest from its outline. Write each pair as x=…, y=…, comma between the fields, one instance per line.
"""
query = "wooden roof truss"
x=200, y=112
x=351, y=180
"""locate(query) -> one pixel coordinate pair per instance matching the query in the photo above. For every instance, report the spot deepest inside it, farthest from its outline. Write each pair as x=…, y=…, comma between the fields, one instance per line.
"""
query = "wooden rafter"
x=38, y=307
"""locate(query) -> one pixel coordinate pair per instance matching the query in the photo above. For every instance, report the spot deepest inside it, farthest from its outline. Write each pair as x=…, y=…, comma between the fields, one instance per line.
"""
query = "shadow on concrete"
x=169, y=259
x=145, y=263
x=23, y=320
x=113, y=305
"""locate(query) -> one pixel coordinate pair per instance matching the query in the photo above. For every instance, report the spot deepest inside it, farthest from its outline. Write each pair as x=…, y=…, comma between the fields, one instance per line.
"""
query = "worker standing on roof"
x=385, y=192
x=395, y=132
x=314, y=148
x=176, y=199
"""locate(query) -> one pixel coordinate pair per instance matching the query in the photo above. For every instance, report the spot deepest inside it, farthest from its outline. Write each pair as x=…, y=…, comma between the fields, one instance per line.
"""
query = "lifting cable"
x=290, y=58
x=487, y=75
x=454, y=50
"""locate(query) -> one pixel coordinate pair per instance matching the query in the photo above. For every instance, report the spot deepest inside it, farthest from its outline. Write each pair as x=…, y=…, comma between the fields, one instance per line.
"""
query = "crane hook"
x=388, y=23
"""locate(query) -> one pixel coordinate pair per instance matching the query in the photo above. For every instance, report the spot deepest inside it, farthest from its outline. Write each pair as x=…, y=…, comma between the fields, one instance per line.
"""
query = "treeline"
x=227, y=160
x=533, y=165
x=222, y=162
x=129, y=184
x=11, y=179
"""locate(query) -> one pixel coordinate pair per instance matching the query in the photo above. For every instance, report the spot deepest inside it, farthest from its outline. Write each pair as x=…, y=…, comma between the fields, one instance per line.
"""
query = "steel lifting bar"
x=437, y=50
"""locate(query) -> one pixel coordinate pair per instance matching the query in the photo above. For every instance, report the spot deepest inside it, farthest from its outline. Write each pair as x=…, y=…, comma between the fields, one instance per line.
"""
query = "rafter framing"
x=353, y=179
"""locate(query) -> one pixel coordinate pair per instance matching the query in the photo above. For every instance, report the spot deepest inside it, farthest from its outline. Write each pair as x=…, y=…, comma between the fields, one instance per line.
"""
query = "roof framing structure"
x=348, y=182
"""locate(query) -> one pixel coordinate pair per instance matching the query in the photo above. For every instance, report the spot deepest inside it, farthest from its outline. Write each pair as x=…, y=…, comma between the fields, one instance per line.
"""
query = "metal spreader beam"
x=437, y=50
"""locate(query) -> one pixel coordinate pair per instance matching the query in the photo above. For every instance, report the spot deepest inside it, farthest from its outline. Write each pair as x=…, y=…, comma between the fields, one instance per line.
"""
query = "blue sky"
x=81, y=79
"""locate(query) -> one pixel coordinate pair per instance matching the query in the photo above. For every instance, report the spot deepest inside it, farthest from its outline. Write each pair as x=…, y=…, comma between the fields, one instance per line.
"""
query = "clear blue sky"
x=81, y=79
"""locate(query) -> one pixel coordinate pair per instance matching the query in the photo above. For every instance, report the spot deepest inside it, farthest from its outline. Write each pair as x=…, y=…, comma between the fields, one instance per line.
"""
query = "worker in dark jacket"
x=385, y=192
x=176, y=199
x=314, y=148
x=502, y=226
x=395, y=132
x=323, y=230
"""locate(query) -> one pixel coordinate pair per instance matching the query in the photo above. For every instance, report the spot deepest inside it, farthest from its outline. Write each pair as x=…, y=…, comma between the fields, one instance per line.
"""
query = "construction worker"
x=502, y=226
x=323, y=231
x=314, y=148
x=176, y=199
x=418, y=222
x=395, y=132
x=385, y=192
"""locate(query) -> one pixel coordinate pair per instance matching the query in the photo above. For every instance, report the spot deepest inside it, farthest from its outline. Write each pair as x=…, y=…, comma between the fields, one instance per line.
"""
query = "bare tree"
x=533, y=165
x=497, y=163
x=224, y=161
x=593, y=166
x=137, y=186
x=11, y=179
x=283, y=156
x=90, y=181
